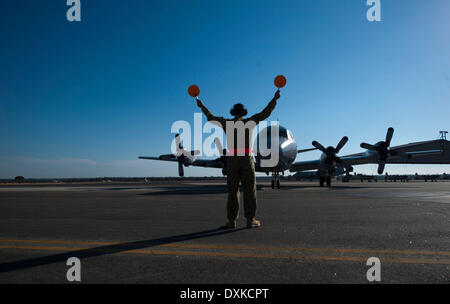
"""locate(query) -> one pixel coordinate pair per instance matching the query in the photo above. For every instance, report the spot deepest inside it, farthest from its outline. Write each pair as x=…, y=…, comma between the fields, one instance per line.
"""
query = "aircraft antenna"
x=443, y=135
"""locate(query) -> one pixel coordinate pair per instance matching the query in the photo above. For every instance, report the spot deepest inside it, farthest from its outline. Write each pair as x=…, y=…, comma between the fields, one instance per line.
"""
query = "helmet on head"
x=238, y=110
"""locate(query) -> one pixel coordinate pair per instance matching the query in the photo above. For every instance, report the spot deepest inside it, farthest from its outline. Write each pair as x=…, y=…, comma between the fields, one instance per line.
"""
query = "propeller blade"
x=218, y=146
x=341, y=144
x=368, y=146
x=389, y=134
x=178, y=143
x=180, y=169
x=320, y=147
x=381, y=168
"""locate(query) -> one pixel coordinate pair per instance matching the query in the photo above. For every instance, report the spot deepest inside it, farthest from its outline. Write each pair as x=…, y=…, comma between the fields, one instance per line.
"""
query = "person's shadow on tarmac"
x=111, y=249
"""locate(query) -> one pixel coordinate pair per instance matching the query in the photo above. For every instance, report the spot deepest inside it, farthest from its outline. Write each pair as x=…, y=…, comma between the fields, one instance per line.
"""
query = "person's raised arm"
x=209, y=115
x=267, y=110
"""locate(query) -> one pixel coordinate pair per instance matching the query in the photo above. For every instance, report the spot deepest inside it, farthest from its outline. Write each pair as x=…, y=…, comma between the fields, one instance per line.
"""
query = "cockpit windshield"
x=283, y=132
x=289, y=135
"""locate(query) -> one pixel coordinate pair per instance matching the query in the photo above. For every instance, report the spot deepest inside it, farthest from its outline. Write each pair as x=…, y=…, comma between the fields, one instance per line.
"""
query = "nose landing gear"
x=276, y=184
x=276, y=180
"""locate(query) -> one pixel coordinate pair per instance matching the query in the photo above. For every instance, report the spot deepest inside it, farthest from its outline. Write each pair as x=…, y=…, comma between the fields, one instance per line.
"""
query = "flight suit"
x=240, y=163
x=241, y=169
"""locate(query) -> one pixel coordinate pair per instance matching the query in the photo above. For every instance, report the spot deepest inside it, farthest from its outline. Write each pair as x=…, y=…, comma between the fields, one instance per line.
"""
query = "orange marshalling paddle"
x=280, y=81
x=194, y=90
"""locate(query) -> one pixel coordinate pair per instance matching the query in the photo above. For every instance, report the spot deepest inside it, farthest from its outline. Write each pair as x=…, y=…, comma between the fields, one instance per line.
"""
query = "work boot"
x=230, y=224
x=252, y=223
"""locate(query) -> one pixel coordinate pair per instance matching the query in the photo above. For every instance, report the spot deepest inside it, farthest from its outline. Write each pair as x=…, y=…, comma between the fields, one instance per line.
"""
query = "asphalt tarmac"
x=171, y=233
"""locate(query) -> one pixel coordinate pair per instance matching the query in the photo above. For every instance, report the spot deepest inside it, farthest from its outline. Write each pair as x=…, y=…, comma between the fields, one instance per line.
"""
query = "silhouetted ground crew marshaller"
x=240, y=162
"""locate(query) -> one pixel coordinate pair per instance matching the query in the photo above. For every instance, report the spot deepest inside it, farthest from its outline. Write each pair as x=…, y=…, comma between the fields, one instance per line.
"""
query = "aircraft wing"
x=423, y=153
x=305, y=165
x=206, y=163
x=403, y=157
x=306, y=150
x=355, y=159
x=172, y=158
x=426, y=152
x=347, y=161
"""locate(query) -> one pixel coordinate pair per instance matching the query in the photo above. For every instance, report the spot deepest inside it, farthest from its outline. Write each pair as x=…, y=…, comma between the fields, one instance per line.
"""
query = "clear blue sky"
x=85, y=99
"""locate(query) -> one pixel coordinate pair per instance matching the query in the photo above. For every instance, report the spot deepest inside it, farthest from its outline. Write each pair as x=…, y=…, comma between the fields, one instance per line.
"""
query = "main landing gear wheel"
x=278, y=184
x=328, y=181
x=273, y=184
